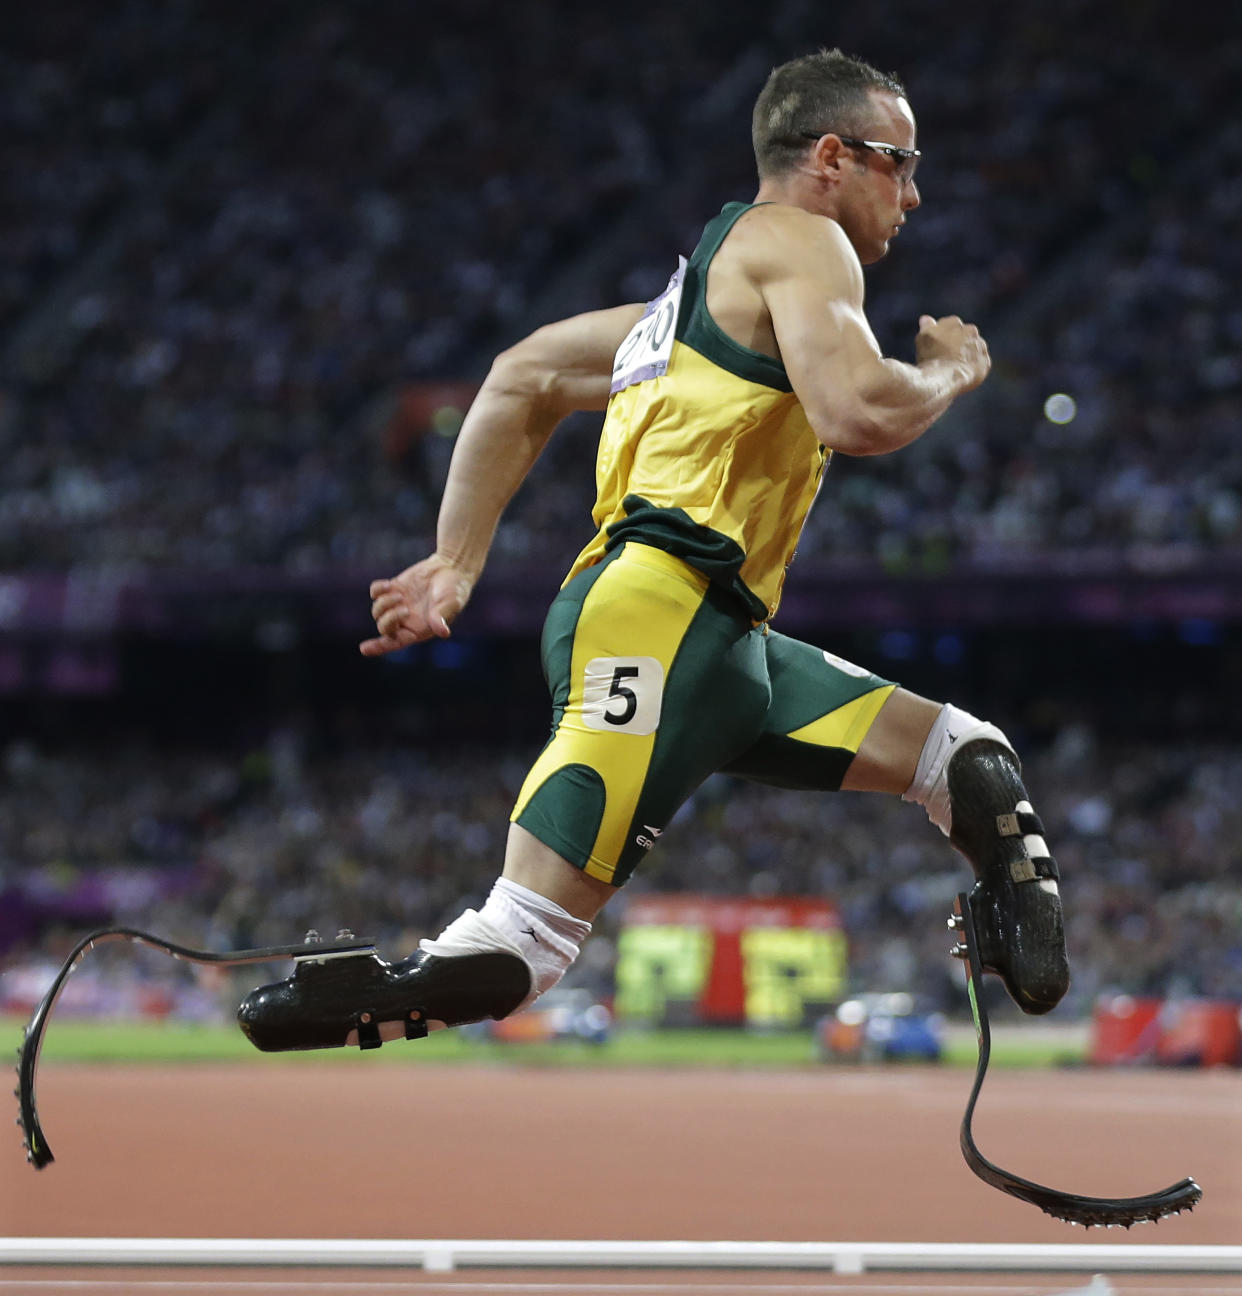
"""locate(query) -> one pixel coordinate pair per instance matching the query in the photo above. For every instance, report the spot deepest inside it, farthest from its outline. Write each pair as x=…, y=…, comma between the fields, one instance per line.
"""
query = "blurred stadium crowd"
x=233, y=230
x=238, y=853
x=234, y=235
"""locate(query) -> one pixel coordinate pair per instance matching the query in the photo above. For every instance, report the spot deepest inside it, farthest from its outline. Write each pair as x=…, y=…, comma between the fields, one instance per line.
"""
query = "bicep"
x=567, y=366
x=826, y=344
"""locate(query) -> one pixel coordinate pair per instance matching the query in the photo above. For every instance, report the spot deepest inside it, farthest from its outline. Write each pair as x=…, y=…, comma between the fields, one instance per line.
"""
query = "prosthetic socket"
x=968, y=779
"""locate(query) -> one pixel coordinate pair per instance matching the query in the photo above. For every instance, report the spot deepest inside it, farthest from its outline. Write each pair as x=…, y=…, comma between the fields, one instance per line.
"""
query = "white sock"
x=516, y=920
x=953, y=728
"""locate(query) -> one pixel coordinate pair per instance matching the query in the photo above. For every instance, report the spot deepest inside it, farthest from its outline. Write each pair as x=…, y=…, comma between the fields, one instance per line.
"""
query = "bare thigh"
x=531, y=864
x=889, y=754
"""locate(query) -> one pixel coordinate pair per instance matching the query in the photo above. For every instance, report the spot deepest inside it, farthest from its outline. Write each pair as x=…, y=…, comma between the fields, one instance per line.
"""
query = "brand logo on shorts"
x=648, y=842
x=845, y=667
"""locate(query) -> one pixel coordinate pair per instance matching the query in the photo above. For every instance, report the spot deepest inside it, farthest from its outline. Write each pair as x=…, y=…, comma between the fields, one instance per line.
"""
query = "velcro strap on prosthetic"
x=1025, y=823
x=1019, y=824
x=1033, y=870
x=368, y=1032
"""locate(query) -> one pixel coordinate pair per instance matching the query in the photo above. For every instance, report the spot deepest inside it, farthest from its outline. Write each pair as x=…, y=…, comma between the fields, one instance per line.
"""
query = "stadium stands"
x=237, y=234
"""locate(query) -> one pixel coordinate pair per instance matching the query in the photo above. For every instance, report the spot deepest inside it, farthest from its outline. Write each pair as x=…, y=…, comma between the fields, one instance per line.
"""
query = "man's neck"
x=791, y=190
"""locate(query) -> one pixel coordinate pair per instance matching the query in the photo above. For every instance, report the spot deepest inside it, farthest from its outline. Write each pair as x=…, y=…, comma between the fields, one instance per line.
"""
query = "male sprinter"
x=725, y=399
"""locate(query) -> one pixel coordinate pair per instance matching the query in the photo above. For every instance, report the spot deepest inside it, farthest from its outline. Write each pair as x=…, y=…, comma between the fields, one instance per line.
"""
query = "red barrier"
x=1178, y=1032
x=1199, y=1032
x=1124, y=1029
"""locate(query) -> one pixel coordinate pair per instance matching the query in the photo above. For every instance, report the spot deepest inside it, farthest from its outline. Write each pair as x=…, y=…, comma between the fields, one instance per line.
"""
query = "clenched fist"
x=962, y=345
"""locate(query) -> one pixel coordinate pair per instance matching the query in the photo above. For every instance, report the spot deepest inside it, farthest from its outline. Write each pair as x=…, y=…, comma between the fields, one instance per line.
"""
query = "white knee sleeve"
x=952, y=729
x=516, y=920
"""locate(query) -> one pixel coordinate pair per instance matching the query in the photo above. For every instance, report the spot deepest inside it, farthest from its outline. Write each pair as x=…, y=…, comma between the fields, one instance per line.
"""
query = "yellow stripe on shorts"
x=847, y=726
x=663, y=610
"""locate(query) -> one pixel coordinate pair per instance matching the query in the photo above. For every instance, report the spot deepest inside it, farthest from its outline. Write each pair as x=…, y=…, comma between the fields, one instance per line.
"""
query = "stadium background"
x=253, y=260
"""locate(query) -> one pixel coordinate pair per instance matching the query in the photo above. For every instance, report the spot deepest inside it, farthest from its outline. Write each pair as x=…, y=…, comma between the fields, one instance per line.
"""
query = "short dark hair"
x=815, y=94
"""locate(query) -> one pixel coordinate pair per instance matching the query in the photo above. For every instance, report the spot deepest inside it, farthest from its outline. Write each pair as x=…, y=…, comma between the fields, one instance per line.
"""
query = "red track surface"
x=351, y=1149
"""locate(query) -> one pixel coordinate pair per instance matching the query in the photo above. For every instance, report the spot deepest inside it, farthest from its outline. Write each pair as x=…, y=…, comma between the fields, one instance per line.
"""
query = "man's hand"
x=960, y=344
x=418, y=604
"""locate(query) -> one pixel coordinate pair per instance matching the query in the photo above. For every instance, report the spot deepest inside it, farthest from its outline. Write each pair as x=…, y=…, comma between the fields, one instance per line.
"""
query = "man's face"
x=874, y=194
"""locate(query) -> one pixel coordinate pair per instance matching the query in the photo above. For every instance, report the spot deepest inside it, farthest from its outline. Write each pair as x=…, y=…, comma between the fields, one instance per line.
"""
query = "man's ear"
x=828, y=153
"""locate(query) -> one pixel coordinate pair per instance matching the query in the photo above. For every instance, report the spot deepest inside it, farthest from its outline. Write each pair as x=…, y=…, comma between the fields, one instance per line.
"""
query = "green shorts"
x=658, y=680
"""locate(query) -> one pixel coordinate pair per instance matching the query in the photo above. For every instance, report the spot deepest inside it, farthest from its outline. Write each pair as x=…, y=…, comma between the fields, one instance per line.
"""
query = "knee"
x=954, y=733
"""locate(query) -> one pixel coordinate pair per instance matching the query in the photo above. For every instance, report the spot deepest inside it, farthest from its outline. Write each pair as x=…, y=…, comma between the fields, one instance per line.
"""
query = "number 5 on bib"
x=623, y=694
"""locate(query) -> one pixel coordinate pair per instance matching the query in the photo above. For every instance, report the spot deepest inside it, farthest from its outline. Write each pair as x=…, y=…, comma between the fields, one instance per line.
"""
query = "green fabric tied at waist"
x=676, y=532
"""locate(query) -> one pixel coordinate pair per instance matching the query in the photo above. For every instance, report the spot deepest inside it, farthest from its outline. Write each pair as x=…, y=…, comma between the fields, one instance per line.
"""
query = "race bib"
x=623, y=694
x=649, y=344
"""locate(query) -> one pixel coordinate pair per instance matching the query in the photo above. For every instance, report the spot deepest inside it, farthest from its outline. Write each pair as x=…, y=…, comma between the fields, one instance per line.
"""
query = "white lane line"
x=439, y=1287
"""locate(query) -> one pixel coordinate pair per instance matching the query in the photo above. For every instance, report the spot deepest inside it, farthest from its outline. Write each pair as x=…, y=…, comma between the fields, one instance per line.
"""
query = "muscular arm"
x=858, y=400
x=530, y=388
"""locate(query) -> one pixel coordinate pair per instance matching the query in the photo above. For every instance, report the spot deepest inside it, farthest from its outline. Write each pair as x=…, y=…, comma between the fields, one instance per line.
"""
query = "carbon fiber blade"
x=1103, y=1212
x=38, y=1153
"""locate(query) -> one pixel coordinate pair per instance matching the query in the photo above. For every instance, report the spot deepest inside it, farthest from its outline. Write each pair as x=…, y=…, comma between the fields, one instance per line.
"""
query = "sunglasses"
x=905, y=160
